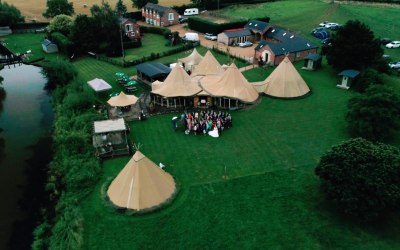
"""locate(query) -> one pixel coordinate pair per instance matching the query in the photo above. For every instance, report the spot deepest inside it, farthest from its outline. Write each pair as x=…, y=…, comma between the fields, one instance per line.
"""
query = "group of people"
x=204, y=121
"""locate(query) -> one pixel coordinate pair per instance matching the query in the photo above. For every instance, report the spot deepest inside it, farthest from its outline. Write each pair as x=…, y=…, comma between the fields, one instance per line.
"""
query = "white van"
x=192, y=37
x=190, y=12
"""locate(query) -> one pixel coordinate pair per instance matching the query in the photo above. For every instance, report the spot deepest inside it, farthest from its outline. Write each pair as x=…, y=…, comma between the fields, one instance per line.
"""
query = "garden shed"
x=347, y=77
x=109, y=138
x=312, y=61
x=49, y=47
x=141, y=185
x=150, y=72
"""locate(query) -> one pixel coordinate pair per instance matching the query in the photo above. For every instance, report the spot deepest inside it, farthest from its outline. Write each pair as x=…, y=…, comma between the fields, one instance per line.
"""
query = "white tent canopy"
x=99, y=85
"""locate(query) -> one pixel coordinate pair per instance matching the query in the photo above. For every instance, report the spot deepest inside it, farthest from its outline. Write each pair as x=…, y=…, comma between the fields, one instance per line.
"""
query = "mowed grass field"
x=33, y=9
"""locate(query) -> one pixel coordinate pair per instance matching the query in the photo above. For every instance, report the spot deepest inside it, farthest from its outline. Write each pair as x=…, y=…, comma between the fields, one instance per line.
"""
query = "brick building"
x=130, y=28
x=158, y=15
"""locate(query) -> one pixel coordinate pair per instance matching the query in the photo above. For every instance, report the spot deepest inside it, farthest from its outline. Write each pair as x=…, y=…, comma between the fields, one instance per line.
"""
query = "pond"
x=26, y=120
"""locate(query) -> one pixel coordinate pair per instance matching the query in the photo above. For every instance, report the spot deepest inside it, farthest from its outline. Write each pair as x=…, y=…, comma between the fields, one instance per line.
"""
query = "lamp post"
x=122, y=42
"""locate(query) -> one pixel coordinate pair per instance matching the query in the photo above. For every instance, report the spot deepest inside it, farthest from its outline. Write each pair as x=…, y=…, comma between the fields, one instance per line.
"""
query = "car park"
x=394, y=44
x=210, y=36
x=394, y=65
x=245, y=44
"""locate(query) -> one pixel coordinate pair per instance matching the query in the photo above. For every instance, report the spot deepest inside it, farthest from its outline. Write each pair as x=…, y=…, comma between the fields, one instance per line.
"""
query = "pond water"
x=26, y=119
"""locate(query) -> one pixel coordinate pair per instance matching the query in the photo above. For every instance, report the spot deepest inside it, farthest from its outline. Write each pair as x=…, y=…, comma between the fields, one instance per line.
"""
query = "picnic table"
x=131, y=83
x=114, y=94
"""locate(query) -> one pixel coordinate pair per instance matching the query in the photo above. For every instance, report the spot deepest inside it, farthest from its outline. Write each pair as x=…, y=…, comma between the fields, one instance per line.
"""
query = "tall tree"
x=120, y=8
x=61, y=23
x=140, y=3
x=58, y=7
x=374, y=115
x=354, y=47
x=84, y=41
x=361, y=178
x=9, y=15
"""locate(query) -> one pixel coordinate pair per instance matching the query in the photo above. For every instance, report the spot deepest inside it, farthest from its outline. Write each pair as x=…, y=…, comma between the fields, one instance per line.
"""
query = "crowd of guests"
x=201, y=122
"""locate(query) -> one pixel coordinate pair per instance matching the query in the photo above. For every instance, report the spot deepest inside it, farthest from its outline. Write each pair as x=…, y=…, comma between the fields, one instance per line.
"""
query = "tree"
x=361, y=178
x=139, y=4
x=120, y=8
x=366, y=78
x=354, y=47
x=84, y=41
x=9, y=15
x=374, y=115
x=58, y=7
x=58, y=73
x=61, y=23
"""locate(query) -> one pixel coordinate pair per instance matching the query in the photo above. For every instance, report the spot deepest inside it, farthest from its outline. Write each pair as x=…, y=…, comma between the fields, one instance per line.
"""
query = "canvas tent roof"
x=178, y=83
x=285, y=81
x=193, y=59
x=208, y=66
x=141, y=184
x=109, y=126
x=99, y=85
x=122, y=100
x=231, y=84
x=156, y=85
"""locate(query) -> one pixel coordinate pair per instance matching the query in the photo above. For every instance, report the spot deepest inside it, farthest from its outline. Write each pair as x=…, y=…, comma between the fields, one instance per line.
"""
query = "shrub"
x=64, y=44
x=366, y=78
x=58, y=73
x=361, y=178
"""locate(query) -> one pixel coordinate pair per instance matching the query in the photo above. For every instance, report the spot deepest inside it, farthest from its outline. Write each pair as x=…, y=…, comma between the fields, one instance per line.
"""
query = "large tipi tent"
x=192, y=60
x=208, y=66
x=231, y=84
x=122, y=100
x=141, y=184
x=178, y=83
x=285, y=82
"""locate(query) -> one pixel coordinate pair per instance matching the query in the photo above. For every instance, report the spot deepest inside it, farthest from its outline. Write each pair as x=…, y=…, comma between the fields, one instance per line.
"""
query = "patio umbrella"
x=122, y=100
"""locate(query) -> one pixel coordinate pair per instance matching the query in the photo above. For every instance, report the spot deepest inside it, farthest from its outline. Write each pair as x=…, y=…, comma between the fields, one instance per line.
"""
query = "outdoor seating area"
x=129, y=85
x=110, y=138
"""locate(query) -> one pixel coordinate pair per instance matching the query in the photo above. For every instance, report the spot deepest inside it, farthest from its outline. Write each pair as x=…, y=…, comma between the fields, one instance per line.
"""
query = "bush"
x=374, y=115
x=58, y=73
x=64, y=44
x=155, y=30
x=361, y=178
x=366, y=78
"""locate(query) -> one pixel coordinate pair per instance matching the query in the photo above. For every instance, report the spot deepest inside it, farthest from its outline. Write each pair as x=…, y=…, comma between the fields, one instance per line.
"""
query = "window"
x=171, y=17
x=128, y=27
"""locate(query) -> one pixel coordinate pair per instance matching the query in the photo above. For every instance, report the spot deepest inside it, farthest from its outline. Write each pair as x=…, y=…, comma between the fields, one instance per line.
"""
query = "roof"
x=208, y=66
x=285, y=42
x=109, y=126
x=123, y=20
x=231, y=84
x=313, y=57
x=256, y=25
x=349, y=73
x=285, y=81
x=47, y=42
x=141, y=184
x=122, y=100
x=178, y=83
x=99, y=85
x=193, y=59
x=153, y=69
x=160, y=9
x=237, y=33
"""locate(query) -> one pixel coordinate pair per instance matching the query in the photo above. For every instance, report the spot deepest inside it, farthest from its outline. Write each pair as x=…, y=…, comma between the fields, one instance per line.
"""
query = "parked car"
x=327, y=41
x=394, y=65
x=394, y=44
x=191, y=37
x=318, y=29
x=332, y=26
x=323, y=24
x=209, y=36
x=245, y=44
x=321, y=33
x=183, y=20
x=385, y=40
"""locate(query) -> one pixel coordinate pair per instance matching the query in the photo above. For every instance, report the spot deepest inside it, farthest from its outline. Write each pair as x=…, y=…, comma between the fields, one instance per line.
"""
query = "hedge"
x=64, y=44
x=205, y=26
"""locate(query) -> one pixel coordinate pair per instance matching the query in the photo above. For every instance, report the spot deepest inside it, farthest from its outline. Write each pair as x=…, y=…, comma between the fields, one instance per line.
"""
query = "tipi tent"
x=285, y=82
x=178, y=83
x=99, y=85
x=156, y=85
x=141, y=184
x=231, y=84
x=122, y=100
x=208, y=66
x=192, y=60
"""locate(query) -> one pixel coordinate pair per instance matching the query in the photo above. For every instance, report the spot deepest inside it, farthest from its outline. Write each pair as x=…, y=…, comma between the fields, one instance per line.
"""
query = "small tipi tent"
x=208, y=66
x=141, y=184
x=178, y=83
x=285, y=82
x=192, y=60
